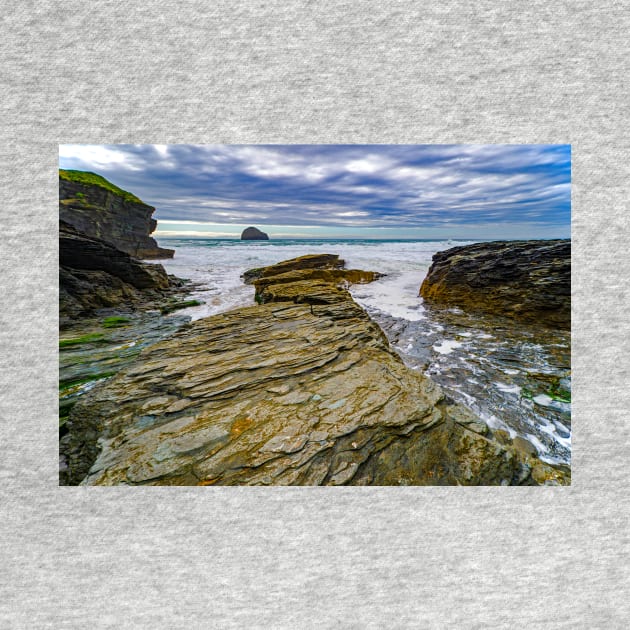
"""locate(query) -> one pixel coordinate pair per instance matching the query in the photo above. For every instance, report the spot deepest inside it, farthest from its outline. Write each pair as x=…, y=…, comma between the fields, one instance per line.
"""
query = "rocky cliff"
x=526, y=280
x=98, y=208
x=298, y=392
x=93, y=274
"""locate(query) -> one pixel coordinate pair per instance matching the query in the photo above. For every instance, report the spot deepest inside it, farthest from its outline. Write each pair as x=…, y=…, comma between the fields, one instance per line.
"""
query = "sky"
x=343, y=191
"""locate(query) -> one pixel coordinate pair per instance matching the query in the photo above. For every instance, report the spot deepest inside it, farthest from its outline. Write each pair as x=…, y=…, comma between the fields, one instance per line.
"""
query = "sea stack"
x=253, y=234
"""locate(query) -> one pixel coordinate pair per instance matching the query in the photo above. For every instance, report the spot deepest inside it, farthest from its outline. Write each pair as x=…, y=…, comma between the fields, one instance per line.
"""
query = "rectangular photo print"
x=315, y=315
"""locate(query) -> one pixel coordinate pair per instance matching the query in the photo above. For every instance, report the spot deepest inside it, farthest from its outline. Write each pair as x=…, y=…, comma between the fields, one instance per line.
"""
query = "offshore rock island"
x=302, y=387
x=254, y=234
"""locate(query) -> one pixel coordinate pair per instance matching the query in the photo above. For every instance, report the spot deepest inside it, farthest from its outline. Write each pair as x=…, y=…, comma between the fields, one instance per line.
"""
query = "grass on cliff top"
x=86, y=177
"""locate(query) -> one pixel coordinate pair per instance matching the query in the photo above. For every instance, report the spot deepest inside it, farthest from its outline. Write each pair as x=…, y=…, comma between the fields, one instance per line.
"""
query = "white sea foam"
x=396, y=294
x=508, y=389
x=218, y=265
x=447, y=346
x=540, y=447
x=552, y=430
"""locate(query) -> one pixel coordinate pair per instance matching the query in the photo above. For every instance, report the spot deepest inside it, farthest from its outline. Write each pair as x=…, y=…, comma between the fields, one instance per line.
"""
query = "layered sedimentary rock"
x=310, y=279
x=284, y=393
x=97, y=208
x=310, y=261
x=526, y=280
x=253, y=234
x=93, y=274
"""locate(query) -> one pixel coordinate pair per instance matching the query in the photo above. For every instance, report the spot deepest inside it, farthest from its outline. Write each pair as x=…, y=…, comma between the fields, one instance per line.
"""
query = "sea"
x=509, y=374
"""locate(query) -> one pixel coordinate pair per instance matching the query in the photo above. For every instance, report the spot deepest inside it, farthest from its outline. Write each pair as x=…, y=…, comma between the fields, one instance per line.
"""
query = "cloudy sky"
x=362, y=191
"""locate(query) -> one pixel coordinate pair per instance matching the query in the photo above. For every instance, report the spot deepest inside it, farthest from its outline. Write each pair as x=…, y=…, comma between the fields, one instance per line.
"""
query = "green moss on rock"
x=67, y=385
x=115, y=321
x=175, y=306
x=76, y=341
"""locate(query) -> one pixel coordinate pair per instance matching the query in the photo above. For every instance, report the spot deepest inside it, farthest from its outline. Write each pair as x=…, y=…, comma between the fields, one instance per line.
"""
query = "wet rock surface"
x=311, y=279
x=516, y=376
x=93, y=350
x=99, y=212
x=314, y=286
x=526, y=280
x=94, y=274
x=284, y=393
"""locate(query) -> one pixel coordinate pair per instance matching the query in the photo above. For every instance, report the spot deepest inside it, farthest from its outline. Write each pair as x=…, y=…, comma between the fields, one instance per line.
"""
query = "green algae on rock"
x=91, y=351
x=175, y=305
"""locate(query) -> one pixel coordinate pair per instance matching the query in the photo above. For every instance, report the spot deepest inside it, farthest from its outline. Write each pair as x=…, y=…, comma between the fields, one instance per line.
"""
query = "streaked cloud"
x=423, y=188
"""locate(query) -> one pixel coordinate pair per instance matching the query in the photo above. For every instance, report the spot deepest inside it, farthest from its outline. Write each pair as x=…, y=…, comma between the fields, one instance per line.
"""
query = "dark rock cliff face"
x=301, y=392
x=526, y=280
x=93, y=274
x=98, y=212
x=253, y=234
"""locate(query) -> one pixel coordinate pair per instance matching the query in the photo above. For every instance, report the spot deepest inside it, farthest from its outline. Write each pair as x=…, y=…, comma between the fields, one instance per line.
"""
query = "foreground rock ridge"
x=254, y=234
x=303, y=391
x=97, y=208
x=526, y=280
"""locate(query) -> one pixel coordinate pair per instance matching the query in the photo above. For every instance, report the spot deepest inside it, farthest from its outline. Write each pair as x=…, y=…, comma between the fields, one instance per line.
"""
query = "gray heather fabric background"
x=313, y=72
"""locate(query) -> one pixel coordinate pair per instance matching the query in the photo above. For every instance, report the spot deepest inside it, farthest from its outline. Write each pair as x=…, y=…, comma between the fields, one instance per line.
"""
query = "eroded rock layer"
x=93, y=274
x=310, y=261
x=284, y=394
x=102, y=211
x=526, y=280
